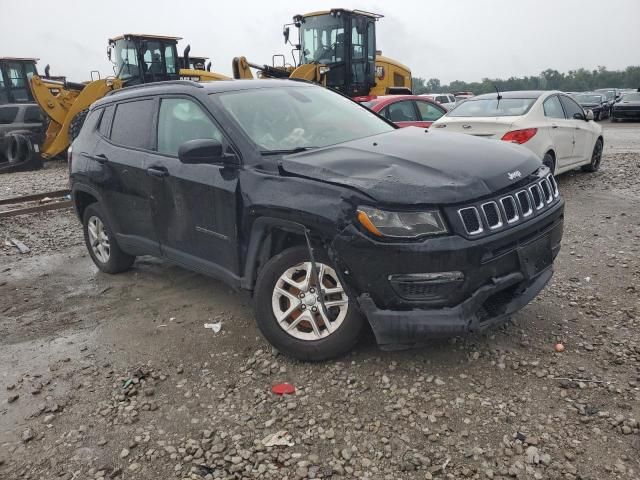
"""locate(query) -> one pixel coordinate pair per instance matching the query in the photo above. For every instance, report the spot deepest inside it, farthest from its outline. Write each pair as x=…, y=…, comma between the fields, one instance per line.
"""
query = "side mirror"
x=285, y=33
x=109, y=53
x=589, y=115
x=204, y=150
x=579, y=116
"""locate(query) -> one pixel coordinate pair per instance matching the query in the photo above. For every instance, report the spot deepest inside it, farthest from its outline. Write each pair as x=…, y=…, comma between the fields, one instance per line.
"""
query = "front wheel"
x=290, y=314
x=549, y=161
x=596, y=158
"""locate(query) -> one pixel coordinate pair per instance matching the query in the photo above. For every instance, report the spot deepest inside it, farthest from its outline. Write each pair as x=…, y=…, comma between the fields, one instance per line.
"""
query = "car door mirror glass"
x=590, y=115
x=201, y=151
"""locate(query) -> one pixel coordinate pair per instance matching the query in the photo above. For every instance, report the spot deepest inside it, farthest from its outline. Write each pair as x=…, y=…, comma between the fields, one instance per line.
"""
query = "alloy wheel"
x=296, y=302
x=98, y=239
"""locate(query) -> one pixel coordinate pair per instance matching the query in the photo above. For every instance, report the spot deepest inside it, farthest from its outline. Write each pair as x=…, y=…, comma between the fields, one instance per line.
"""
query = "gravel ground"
x=105, y=377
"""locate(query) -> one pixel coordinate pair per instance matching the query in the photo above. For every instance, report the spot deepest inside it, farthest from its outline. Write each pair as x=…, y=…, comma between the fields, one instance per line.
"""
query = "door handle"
x=158, y=171
x=100, y=158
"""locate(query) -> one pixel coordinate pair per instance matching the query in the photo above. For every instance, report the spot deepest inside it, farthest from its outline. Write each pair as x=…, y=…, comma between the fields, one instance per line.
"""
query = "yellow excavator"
x=336, y=48
x=137, y=59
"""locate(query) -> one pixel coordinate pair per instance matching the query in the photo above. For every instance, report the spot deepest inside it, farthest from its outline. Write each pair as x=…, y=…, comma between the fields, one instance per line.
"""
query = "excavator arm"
x=311, y=72
x=63, y=108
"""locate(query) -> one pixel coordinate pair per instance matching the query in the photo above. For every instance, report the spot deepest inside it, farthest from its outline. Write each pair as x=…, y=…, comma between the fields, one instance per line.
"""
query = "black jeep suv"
x=328, y=213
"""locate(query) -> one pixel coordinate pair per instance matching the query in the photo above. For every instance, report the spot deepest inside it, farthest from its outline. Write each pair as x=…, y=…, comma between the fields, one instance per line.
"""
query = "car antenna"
x=499, y=96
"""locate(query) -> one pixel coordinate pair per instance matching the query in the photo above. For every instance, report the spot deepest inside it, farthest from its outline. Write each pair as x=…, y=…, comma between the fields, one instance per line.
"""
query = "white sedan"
x=550, y=124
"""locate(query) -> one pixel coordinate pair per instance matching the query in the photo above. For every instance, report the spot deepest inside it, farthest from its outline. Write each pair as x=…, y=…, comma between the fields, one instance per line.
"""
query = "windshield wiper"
x=286, y=151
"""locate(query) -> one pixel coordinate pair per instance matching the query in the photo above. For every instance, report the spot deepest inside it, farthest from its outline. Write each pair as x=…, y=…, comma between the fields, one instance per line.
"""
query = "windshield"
x=127, y=59
x=322, y=39
x=631, y=97
x=588, y=98
x=289, y=118
x=506, y=107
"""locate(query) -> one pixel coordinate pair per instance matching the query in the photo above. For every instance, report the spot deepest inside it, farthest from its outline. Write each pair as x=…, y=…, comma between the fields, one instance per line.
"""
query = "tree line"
x=573, y=81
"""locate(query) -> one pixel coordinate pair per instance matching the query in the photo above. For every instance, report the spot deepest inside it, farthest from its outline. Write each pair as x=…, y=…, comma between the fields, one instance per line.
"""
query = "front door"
x=194, y=205
x=581, y=128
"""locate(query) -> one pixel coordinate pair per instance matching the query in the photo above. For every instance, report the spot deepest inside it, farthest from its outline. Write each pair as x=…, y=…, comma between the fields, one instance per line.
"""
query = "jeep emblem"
x=513, y=175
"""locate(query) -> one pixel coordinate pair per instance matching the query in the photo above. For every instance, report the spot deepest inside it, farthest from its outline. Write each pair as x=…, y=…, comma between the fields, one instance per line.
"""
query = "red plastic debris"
x=283, y=389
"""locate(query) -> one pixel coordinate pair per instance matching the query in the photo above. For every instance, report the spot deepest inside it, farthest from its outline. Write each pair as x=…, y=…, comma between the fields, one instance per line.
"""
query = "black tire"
x=596, y=117
x=118, y=261
x=549, y=161
x=20, y=155
x=334, y=345
x=76, y=124
x=596, y=158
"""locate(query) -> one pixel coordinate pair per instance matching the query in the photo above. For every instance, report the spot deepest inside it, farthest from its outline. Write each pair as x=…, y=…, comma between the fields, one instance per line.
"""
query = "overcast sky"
x=445, y=39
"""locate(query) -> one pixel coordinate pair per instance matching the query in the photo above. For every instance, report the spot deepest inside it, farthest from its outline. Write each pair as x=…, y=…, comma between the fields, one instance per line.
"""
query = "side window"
x=181, y=120
x=429, y=112
x=169, y=59
x=105, y=121
x=553, y=108
x=33, y=115
x=132, y=124
x=400, y=112
x=8, y=115
x=570, y=106
x=442, y=99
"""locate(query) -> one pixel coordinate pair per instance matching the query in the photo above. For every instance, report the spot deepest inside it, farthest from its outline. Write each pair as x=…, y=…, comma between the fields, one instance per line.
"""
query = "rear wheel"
x=549, y=161
x=101, y=243
x=596, y=158
x=289, y=312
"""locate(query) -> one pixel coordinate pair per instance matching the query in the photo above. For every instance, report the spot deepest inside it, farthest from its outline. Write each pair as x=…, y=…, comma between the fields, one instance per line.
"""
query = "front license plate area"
x=536, y=256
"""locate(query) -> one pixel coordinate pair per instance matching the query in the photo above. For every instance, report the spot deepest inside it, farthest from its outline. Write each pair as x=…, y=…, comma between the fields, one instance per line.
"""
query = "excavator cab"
x=15, y=74
x=345, y=42
x=144, y=58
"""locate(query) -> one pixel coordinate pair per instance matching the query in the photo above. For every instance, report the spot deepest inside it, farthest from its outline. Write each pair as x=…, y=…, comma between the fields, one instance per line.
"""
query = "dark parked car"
x=626, y=108
x=406, y=110
x=596, y=102
x=21, y=134
x=328, y=213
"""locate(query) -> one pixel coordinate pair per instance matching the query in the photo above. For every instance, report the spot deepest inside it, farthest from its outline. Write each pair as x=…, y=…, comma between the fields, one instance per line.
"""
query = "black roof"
x=182, y=86
x=514, y=94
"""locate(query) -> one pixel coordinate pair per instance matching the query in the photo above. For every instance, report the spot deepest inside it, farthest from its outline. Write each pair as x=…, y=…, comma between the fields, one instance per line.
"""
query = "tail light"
x=520, y=136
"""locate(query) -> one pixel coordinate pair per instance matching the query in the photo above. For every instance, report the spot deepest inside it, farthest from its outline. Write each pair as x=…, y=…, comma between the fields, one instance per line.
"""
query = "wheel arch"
x=83, y=196
x=270, y=236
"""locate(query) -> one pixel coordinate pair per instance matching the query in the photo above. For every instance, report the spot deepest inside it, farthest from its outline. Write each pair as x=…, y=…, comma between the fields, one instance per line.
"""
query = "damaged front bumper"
x=470, y=284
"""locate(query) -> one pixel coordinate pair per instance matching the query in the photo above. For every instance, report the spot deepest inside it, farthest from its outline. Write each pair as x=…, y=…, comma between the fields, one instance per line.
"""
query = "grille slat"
x=492, y=215
x=471, y=220
x=511, y=208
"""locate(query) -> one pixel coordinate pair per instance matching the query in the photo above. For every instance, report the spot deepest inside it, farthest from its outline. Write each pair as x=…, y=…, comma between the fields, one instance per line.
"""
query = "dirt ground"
x=105, y=377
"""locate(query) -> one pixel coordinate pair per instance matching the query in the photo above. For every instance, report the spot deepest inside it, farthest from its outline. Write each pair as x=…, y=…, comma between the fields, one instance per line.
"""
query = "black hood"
x=409, y=166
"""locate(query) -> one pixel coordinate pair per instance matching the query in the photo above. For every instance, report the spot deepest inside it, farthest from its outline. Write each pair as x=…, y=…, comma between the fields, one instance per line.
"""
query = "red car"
x=405, y=110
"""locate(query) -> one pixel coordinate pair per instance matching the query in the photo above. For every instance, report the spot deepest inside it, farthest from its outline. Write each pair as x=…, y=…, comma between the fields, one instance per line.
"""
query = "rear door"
x=118, y=165
x=560, y=129
x=194, y=205
x=429, y=112
x=582, y=130
x=403, y=113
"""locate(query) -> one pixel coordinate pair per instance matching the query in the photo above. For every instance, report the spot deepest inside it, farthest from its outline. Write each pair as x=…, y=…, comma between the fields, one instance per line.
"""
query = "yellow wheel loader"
x=137, y=59
x=338, y=49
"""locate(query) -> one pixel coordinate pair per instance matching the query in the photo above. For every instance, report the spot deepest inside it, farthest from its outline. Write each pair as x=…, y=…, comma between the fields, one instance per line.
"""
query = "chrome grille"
x=509, y=209
x=492, y=215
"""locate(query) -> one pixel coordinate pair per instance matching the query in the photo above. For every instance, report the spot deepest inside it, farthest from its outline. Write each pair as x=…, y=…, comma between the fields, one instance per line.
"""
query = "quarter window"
x=400, y=112
x=132, y=124
x=553, y=107
x=429, y=112
x=105, y=121
x=570, y=106
x=182, y=120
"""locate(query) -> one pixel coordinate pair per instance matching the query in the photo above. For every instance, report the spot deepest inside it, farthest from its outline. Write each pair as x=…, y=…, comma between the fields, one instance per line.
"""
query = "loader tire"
x=76, y=124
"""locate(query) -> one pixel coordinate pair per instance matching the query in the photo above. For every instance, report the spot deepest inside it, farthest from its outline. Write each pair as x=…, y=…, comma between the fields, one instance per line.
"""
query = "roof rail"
x=187, y=83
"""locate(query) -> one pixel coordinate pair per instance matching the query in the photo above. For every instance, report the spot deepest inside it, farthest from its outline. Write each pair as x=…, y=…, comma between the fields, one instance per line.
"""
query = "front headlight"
x=401, y=224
